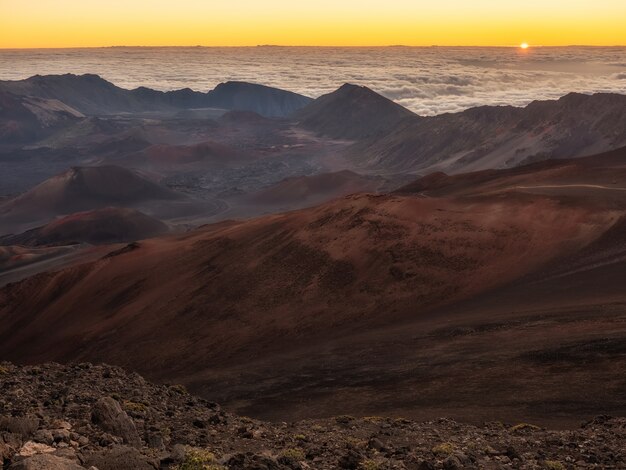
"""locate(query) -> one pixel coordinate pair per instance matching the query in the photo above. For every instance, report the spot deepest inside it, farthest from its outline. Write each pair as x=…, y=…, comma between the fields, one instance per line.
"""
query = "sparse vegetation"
x=4, y=370
x=199, y=459
x=129, y=405
x=296, y=454
x=554, y=465
x=179, y=389
x=370, y=465
x=183, y=432
x=443, y=449
x=524, y=427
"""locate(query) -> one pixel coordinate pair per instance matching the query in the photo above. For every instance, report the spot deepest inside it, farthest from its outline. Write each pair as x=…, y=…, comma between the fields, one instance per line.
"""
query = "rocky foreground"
x=88, y=416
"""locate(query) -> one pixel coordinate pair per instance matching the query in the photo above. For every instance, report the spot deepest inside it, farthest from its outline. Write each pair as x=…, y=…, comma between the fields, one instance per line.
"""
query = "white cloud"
x=426, y=80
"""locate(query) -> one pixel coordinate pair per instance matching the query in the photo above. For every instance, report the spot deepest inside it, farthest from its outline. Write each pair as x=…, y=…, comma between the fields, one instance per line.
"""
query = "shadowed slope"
x=108, y=225
x=93, y=95
x=352, y=112
x=28, y=118
x=320, y=187
x=85, y=188
x=499, y=136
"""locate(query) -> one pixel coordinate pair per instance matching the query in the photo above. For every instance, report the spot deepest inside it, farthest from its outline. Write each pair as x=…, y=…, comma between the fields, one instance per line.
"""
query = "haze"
x=75, y=23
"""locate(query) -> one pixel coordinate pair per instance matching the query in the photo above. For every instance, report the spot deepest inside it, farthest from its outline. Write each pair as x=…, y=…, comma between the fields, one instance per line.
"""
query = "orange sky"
x=82, y=23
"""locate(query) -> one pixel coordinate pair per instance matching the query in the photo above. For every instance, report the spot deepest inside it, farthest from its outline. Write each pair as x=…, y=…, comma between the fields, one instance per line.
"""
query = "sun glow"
x=524, y=45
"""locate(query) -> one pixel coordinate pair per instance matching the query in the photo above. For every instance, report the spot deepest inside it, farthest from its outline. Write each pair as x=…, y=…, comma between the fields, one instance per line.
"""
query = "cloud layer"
x=426, y=80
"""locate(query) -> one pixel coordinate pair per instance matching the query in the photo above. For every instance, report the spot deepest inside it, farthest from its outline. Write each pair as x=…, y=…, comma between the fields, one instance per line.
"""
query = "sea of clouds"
x=429, y=80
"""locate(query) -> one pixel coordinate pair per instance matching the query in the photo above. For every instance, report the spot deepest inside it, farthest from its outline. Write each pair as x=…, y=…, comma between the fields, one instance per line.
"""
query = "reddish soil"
x=476, y=303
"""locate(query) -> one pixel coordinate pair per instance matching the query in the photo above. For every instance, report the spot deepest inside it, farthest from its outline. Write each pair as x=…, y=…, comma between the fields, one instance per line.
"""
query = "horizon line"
x=201, y=46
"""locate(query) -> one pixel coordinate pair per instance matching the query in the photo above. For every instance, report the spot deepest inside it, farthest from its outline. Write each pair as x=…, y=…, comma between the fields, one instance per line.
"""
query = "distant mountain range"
x=92, y=95
x=390, y=138
x=387, y=138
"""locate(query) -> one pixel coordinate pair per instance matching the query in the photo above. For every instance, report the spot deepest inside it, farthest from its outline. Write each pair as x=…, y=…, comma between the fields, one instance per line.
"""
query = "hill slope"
x=28, y=118
x=84, y=188
x=499, y=137
x=102, y=226
x=352, y=112
x=367, y=304
x=319, y=187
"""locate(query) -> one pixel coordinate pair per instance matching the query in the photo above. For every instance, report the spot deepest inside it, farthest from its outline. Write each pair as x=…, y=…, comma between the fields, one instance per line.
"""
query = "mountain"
x=417, y=303
x=92, y=95
x=84, y=188
x=28, y=118
x=352, y=112
x=499, y=136
x=102, y=226
x=261, y=99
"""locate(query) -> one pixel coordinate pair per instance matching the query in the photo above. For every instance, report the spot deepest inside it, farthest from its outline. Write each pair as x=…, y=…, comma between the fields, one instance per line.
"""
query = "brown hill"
x=352, y=112
x=594, y=172
x=412, y=304
x=83, y=188
x=320, y=187
x=102, y=226
x=499, y=136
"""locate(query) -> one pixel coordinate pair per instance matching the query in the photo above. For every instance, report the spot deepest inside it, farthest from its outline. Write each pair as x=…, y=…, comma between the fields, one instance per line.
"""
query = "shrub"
x=295, y=454
x=179, y=389
x=554, y=465
x=443, y=449
x=133, y=406
x=369, y=465
x=199, y=459
x=524, y=427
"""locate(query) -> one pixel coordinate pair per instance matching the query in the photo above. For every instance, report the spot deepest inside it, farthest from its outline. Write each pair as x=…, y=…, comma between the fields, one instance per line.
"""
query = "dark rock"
x=120, y=458
x=351, y=460
x=24, y=426
x=108, y=414
x=426, y=465
x=376, y=444
x=452, y=463
x=46, y=462
x=44, y=436
x=252, y=462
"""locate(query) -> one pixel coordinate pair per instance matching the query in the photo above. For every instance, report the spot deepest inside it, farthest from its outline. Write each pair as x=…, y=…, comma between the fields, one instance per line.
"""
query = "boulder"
x=108, y=414
x=45, y=462
x=120, y=458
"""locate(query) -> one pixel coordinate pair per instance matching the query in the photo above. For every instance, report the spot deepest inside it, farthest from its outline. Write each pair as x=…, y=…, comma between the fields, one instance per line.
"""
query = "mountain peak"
x=352, y=112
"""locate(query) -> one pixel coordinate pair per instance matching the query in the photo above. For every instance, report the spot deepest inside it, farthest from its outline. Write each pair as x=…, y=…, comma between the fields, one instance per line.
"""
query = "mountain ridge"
x=93, y=95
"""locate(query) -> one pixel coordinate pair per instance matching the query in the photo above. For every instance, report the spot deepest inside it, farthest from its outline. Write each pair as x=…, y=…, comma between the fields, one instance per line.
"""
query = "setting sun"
x=524, y=45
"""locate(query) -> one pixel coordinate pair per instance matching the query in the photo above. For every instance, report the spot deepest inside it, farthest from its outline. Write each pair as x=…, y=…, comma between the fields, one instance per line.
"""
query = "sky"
x=94, y=23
